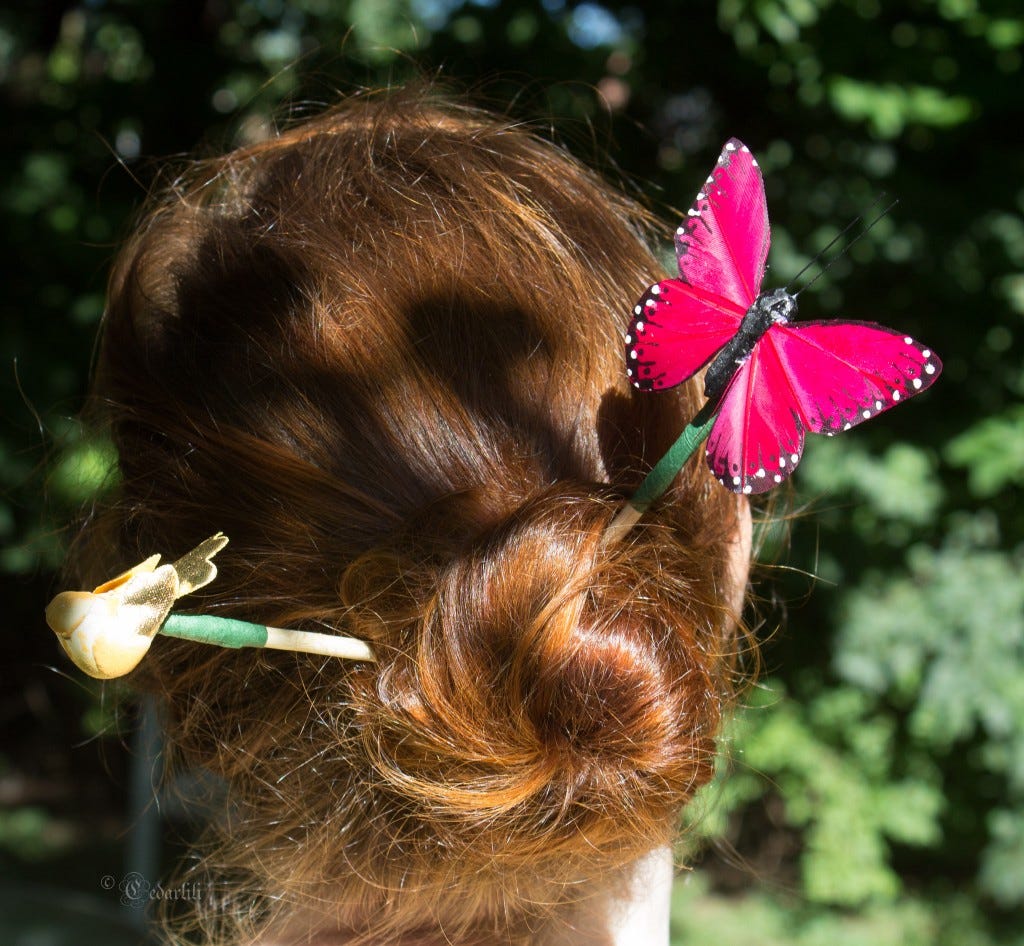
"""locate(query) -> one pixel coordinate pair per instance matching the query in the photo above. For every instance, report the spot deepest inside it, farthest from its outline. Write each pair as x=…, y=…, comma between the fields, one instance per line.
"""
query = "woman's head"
x=382, y=352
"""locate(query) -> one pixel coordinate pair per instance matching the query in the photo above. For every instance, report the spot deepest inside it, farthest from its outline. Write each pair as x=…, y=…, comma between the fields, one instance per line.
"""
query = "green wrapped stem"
x=666, y=469
x=225, y=632
x=661, y=476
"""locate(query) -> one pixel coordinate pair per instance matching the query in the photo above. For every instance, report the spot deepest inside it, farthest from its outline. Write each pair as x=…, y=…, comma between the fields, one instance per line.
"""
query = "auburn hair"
x=382, y=352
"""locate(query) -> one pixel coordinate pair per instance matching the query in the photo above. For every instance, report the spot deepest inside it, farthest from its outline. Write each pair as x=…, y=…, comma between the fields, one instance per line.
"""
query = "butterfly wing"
x=757, y=440
x=818, y=377
x=843, y=373
x=722, y=246
x=674, y=332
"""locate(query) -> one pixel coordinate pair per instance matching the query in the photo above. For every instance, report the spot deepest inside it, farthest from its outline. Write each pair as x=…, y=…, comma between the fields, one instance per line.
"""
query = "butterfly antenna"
x=836, y=239
x=817, y=256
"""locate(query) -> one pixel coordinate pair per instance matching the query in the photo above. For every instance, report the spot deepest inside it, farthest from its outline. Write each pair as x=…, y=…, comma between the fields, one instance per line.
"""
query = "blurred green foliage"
x=874, y=788
x=992, y=452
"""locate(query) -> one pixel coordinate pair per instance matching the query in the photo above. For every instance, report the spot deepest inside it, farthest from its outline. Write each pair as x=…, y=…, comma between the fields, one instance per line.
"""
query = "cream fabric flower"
x=107, y=631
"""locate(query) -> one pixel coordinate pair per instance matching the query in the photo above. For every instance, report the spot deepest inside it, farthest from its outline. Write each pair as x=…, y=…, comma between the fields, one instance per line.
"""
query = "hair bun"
x=537, y=686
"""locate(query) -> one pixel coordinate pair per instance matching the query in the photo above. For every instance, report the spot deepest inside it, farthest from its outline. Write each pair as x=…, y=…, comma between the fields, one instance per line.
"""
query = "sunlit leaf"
x=83, y=470
x=889, y=108
x=900, y=484
x=992, y=452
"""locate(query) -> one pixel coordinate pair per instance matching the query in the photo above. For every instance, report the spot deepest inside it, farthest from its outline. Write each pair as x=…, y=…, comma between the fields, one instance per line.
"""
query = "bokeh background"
x=873, y=788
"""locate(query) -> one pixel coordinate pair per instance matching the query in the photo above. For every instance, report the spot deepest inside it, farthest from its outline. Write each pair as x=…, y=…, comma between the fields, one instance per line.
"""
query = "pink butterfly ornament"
x=772, y=380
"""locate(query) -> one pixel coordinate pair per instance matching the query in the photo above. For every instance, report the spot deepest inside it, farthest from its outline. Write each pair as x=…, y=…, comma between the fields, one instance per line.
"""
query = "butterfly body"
x=775, y=379
x=769, y=308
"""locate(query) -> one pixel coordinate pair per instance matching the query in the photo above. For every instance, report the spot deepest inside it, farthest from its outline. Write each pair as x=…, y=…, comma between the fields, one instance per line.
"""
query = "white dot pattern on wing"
x=904, y=377
x=895, y=380
x=910, y=373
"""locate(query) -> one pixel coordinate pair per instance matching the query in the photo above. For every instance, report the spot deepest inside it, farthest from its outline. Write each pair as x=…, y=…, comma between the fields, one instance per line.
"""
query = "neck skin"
x=643, y=919
x=636, y=913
